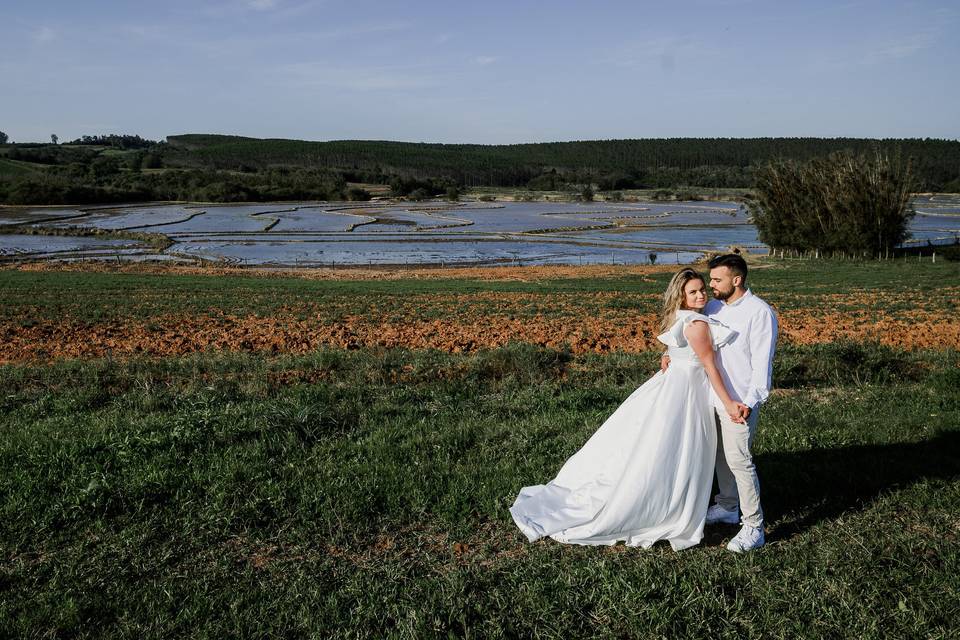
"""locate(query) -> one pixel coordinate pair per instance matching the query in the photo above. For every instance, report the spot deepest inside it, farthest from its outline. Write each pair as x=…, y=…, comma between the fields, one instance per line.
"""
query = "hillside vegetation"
x=611, y=164
x=205, y=167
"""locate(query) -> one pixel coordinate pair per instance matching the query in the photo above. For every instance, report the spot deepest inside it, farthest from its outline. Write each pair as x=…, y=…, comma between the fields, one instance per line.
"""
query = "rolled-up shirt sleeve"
x=763, y=341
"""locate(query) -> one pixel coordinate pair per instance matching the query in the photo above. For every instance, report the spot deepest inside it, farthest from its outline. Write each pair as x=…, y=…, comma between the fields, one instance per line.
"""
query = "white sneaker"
x=716, y=514
x=748, y=538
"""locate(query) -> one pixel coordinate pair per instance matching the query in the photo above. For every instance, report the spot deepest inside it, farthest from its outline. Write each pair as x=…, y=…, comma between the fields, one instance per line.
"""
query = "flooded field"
x=26, y=245
x=394, y=233
x=937, y=217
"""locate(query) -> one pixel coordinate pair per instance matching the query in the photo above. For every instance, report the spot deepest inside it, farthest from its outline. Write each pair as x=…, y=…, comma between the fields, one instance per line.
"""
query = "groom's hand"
x=739, y=412
x=664, y=362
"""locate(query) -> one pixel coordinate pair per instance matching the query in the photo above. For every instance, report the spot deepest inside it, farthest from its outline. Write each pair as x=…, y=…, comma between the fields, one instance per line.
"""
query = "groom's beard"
x=722, y=295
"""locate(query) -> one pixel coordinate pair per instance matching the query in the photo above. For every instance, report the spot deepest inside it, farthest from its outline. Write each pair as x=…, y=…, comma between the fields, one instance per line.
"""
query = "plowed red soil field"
x=178, y=335
x=463, y=321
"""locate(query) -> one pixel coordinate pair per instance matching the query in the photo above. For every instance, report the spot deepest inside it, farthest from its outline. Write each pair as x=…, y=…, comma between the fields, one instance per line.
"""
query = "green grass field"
x=892, y=285
x=364, y=493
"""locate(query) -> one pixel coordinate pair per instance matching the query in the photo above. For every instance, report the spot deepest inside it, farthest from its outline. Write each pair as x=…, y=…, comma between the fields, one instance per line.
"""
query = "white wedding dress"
x=646, y=473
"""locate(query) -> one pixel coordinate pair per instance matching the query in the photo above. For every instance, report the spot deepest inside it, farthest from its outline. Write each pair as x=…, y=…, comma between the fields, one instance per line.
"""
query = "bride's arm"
x=697, y=334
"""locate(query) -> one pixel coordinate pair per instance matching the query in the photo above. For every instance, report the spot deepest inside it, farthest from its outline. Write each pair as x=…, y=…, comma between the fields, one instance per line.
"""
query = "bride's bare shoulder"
x=694, y=327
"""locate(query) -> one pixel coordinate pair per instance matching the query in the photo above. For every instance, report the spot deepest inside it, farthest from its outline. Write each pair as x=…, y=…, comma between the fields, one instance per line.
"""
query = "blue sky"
x=492, y=72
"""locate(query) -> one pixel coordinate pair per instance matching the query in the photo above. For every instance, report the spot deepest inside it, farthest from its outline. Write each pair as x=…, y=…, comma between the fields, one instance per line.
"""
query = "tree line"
x=115, y=141
x=609, y=164
x=128, y=168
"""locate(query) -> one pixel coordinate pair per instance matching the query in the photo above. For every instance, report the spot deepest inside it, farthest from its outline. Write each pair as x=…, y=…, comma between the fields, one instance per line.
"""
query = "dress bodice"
x=680, y=355
x=679, y=349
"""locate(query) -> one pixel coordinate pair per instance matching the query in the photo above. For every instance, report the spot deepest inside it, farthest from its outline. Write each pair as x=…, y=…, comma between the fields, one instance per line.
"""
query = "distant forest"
x=127, y=168
x=608, y=164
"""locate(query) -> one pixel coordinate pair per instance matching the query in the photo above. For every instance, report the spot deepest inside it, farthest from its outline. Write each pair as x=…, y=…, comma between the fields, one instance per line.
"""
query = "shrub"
x=419, y=194
x=951, y=253
x=358, y=194
x=952, y=187
x=550, y=181
x=842, y=202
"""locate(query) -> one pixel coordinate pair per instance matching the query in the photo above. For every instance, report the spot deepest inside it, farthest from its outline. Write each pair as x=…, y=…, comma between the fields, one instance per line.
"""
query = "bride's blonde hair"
x=673, y=296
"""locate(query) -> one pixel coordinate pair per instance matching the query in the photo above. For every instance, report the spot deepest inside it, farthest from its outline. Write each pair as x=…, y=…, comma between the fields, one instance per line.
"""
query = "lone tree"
x=53, y=138
x=841, y=202
x=3, y=138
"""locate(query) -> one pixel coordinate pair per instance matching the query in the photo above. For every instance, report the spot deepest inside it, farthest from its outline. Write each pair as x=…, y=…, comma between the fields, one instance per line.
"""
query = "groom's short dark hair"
x=732, y=261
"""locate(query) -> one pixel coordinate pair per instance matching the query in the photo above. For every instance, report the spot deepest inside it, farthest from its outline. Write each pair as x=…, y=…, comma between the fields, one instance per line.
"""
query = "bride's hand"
x=737, y=411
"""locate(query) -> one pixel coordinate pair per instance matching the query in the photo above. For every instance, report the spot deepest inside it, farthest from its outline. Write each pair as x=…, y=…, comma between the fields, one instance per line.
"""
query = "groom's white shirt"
x=746, y=364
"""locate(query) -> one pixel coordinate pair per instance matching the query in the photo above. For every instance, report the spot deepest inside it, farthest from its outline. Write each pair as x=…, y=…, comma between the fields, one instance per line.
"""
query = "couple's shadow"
x=801, y=489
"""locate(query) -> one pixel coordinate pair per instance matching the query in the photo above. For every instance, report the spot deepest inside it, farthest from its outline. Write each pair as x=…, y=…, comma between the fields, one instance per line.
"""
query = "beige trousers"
x=736, y=473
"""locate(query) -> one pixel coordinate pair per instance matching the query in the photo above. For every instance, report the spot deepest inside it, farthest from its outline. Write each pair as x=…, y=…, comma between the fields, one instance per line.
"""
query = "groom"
x=746, y=365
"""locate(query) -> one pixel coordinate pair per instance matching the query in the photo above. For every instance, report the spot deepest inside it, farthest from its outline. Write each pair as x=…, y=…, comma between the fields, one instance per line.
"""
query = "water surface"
x=386, y=232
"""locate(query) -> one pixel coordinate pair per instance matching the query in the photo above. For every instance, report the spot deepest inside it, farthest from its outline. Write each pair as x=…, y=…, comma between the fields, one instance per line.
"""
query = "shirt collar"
x=746, y=294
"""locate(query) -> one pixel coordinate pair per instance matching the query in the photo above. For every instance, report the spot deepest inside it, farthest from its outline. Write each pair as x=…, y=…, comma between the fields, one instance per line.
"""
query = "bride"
x=646, y=473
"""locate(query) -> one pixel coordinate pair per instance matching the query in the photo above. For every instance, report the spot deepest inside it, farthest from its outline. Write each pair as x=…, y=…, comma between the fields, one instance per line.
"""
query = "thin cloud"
x=295, y=10
x=903, y=48
x=361, y=30
x=148, y=32
x=662, y=51
x=235, y=46
x=275, y=10
x=44, y=34
x=485, y=60
x=262, y=5
x=874, y=53
x=307, y=75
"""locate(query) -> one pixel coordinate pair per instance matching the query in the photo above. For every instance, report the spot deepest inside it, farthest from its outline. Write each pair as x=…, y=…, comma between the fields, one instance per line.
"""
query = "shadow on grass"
x=801, y=489
x=846, y=362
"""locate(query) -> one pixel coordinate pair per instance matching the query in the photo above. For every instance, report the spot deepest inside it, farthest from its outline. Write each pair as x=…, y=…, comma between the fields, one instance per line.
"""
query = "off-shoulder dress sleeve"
x=720, y=334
